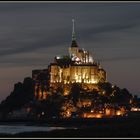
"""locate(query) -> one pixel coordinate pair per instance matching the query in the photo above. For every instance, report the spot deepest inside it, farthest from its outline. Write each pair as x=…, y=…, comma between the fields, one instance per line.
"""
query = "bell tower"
x=73, y=50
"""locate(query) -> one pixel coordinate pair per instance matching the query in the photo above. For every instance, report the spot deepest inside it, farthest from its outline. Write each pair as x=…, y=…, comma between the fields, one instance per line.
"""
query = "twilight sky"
x=31, y=34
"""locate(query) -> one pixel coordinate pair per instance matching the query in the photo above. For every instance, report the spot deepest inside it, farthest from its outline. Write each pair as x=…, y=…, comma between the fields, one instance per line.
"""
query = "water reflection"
x=13, y=129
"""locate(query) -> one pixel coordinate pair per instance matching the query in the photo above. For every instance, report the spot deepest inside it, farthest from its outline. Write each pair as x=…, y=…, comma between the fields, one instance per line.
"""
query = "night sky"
x=31, y=34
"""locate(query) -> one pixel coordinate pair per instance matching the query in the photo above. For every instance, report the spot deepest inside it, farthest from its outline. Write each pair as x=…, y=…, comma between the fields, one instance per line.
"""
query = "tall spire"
x=73, y=31
x=74, y=44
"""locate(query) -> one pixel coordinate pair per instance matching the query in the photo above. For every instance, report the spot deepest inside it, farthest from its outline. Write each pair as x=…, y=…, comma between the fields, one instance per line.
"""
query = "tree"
x=107, y=87
x=21, y=95
x=75, y=92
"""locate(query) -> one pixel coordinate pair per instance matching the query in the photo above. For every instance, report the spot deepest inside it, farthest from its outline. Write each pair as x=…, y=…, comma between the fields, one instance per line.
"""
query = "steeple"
x=73, y=31
x=74, y=44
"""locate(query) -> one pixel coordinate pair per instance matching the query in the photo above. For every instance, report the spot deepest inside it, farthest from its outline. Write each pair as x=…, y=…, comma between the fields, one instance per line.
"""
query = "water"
x=18, y=128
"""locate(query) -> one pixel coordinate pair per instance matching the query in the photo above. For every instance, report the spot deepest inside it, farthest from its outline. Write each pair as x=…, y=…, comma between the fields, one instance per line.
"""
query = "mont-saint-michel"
x=72, y=86
x=73, y=90
x=81, y=86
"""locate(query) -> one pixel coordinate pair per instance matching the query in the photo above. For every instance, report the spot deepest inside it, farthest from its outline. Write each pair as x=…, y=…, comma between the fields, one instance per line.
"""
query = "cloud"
x=32, y=34
x=121, y=58
x=31, y=27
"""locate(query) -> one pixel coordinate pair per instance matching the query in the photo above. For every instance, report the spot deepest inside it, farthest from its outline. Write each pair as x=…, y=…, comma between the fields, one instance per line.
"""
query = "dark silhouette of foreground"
x=23, y=96
x=112, y=128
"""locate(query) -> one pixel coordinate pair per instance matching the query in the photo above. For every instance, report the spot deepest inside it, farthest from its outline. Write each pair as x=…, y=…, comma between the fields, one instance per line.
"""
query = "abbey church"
x=77, y=67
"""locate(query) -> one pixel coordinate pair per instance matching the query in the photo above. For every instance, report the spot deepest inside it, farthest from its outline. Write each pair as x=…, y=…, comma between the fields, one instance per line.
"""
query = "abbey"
x=77, y=67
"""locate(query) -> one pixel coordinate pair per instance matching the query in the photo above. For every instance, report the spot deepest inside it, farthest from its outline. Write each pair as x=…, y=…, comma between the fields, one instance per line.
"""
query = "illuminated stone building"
x=77, y=67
